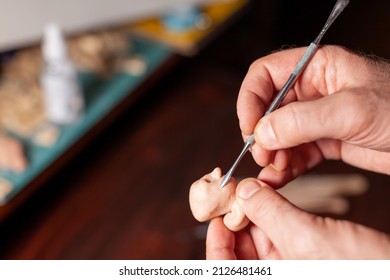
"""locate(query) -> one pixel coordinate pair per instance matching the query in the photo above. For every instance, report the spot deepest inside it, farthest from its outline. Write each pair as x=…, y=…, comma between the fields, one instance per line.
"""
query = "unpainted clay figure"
x=208, y=200
x=11, y=155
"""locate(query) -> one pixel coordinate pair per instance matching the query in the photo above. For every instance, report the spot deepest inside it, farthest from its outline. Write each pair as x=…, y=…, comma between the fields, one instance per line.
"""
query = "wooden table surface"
x=125, y=195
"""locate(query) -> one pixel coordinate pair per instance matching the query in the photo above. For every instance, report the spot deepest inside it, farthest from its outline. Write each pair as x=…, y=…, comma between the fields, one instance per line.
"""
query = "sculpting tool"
x=301, y=65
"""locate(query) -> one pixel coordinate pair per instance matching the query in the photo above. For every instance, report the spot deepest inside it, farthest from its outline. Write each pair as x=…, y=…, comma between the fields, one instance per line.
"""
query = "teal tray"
x=101, y=98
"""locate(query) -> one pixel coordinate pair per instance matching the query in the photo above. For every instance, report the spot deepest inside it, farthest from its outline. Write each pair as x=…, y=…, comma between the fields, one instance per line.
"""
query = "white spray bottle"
x=64, y=102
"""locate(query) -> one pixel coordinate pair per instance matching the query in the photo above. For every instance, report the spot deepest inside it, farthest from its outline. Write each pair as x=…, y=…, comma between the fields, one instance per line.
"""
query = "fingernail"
x=281, y=160
x=266, y=134
x=274, y=166
x=254, y=148
x=247, y=189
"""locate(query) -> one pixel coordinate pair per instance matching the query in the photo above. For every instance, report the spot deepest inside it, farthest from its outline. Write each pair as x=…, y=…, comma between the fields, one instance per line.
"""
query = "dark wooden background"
x=125, y=195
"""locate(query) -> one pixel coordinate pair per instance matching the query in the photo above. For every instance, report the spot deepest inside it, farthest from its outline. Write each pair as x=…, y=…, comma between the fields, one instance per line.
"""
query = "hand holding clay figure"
x=315, y=194
x=208, y=201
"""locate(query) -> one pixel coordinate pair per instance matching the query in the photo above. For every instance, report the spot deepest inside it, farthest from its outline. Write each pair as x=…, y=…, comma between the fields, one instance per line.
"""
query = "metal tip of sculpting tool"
x=249, y=142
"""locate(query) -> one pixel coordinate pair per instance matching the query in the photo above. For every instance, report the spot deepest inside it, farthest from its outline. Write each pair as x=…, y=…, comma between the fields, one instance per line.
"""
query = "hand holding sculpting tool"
x=301, y=65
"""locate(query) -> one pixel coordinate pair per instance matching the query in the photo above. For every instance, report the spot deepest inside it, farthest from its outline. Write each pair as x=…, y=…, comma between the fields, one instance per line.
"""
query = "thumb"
x=307, y=121
x=289, y=228
x=296, y=234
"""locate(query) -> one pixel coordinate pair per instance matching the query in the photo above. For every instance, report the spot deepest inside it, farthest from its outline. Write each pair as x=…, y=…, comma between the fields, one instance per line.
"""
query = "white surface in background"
x=22, y=21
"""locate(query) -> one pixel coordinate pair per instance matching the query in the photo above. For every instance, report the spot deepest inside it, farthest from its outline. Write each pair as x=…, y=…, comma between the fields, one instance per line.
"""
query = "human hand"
x=279, y=230
x=343, y=113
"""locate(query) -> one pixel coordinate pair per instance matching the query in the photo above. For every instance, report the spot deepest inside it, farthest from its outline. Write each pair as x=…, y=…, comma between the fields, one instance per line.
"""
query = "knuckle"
x=358, y=108
x=294, y=124
x=255, y=64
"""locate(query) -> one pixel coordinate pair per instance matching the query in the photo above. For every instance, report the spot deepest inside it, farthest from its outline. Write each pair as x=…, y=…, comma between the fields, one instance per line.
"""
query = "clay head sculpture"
x=208, y=200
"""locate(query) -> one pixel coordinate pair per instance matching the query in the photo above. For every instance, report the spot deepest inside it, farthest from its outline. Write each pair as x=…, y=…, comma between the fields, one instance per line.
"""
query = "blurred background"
x=160, y=82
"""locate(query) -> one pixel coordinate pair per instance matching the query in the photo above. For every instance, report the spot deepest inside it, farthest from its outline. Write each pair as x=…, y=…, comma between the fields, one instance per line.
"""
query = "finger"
x=255, y=92
x=261, y=156
x=281, y=159
x=341, y=116
x=264, y=247
x=245, y=248
x=373, y=160
x=285, y=225
x=278, y=159
x=274, y=178
x=300, y=159
x=220, y=241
